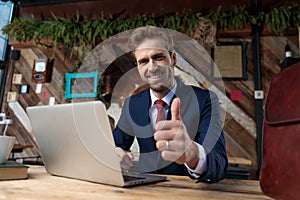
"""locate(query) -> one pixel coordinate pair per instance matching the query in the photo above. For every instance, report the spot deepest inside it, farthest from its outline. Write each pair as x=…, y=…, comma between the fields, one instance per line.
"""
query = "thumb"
x=175, y=109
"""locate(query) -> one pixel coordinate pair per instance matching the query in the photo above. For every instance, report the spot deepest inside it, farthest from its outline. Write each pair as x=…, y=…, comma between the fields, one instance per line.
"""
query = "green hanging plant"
x=280, y=19
x=238, y=18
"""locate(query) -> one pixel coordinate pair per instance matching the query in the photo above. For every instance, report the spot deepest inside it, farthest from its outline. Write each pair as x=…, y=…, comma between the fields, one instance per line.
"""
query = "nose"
x=152, y=66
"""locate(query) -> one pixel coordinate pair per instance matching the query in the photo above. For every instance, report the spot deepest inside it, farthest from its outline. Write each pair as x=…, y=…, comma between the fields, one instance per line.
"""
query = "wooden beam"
x=247, y=32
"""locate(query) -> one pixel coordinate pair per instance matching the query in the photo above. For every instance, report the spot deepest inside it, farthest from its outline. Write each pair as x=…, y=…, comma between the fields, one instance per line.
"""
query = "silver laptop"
x=76, y=141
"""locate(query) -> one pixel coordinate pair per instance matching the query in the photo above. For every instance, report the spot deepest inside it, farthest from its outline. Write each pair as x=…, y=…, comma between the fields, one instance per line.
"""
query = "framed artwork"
x=229, y=60
x=12, y=96
x=24, y=89
x=17, y=79
x=81, y=85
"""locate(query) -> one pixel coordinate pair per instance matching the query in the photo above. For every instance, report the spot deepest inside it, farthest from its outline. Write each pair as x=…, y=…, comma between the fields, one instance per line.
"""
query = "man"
x=190, y=140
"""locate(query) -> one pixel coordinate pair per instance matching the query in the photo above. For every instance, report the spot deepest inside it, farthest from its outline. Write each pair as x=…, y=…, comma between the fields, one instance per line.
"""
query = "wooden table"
x=42, y=186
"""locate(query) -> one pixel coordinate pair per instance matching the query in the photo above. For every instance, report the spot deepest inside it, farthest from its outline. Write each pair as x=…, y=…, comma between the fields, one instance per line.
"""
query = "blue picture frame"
x=83, y=75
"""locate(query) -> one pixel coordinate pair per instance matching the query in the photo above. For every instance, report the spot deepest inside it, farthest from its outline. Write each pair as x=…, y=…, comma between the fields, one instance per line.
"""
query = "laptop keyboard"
x=131, y=178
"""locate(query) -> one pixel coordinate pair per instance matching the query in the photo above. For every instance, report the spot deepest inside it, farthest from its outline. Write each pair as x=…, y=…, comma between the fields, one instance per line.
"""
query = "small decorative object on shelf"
x=17, y=79
x=12, y=96
x=288, y=51
x=24, y=89
x=289, y=59
x=39, y=70
x=42, y=70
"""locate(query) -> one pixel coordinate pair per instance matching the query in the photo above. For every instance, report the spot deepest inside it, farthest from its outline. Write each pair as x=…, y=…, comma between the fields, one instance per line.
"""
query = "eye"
x=143, y=61
x=159, y=57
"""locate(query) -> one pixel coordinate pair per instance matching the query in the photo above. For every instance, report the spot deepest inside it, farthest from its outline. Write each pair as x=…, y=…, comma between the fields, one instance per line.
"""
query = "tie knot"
x=160, y=102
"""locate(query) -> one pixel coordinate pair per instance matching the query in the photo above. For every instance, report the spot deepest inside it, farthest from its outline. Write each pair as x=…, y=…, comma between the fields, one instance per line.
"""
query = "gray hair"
x=150, y=32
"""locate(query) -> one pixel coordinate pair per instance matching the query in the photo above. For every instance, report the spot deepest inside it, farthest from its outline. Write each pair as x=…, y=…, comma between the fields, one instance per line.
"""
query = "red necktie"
x=160, y=104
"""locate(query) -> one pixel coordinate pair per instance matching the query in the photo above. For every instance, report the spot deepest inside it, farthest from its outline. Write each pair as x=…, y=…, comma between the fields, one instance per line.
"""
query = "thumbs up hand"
x=175, y=109
x=173, y=140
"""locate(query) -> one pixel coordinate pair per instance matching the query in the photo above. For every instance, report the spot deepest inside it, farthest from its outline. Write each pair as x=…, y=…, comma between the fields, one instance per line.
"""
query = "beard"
x=161, y=80
x=159, y=88
x=162, y=88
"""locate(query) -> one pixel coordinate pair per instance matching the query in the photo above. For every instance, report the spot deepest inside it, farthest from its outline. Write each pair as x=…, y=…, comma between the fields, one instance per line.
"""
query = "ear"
x=174, y=58
x=133, y=57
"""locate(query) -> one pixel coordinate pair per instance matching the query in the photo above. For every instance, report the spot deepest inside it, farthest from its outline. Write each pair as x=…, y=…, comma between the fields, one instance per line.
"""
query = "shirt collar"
x=168, y=98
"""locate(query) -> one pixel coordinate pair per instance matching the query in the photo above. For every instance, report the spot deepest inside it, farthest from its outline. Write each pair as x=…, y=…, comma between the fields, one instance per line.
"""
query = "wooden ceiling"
x=89, y=8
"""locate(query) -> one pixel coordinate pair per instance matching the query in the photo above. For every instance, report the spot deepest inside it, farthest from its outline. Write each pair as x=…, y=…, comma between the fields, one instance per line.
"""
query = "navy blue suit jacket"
x=201, y=115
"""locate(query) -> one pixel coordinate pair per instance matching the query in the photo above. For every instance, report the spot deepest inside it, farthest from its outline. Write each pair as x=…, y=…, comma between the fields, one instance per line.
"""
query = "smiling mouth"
x=155, y=76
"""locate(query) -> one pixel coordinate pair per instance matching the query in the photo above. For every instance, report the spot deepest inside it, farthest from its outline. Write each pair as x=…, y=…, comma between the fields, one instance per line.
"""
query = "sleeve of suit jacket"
x=123, y=133
x=210, y=136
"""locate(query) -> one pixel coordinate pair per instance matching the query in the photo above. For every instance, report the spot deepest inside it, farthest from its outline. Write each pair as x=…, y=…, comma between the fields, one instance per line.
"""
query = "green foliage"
x=85, y=33
x=22, y=29
x=237, y=18
x=280, y=19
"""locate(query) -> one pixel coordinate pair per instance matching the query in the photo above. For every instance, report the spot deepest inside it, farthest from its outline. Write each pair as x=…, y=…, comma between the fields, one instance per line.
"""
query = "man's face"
x=156, y=65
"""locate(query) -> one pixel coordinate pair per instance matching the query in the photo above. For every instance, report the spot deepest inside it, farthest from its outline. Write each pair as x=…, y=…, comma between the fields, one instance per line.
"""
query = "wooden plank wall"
x=53, y=89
